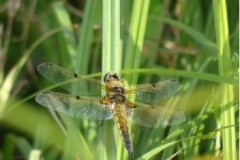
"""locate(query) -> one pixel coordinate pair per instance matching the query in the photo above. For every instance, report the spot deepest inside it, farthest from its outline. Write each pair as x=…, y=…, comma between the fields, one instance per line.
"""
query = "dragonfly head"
x=110, y=76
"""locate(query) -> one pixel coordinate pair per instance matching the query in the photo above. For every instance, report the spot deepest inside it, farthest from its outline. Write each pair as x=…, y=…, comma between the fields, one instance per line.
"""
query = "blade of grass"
x=67, y=39
x=9, y=143
x=116, y=49
x=19, y=119
x=186, y=74
x=111, y=57
x=35, y=154
x=82, y=57
x=136, y=36
x=75, y=145
x=169, y=142
x=1, y=53
x=225, y=69
x=15, y=71
x=107, y=32
x=199, y=37
x=24, y=146
x=154, y=29
x=106, y=64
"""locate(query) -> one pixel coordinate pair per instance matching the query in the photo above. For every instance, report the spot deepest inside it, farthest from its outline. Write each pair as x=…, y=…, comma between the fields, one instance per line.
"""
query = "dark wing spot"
x=45, y=92
x=154, y=85
x=174, y=80
x=75, y=75
x=133, y=106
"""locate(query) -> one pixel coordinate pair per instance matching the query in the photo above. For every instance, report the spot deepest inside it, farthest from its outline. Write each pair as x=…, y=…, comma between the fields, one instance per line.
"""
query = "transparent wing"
x=81, y=107
x=152, y=116
x=78, y=85
x=153, y=93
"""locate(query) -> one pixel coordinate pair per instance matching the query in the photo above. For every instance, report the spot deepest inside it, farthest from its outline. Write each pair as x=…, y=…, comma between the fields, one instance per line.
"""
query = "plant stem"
x=225, y=69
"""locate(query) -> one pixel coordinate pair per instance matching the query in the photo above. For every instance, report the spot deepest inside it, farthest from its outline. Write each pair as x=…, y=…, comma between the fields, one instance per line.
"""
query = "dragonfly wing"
x=153, y=93
x=151, y=116
x=76, y=106
x=76, y=84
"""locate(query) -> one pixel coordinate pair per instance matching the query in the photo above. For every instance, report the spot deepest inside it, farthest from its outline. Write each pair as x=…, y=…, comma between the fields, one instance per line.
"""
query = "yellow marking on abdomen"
x=120, y=117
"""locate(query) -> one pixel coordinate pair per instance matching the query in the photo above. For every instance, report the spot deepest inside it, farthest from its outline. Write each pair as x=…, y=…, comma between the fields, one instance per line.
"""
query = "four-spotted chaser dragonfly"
x=114, y=104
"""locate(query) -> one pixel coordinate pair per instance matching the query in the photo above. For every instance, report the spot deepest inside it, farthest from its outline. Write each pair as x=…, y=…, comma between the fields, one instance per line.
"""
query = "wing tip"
x=41, y=96
x=44, y=65
x=175, y=83
x=179, y=117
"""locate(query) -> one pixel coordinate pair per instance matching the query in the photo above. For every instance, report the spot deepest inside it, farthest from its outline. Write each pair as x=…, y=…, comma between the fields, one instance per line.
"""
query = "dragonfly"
x=89, y=98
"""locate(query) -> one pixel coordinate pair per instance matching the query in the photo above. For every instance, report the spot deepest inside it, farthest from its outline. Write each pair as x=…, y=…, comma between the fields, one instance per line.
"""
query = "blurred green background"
x=196, y=42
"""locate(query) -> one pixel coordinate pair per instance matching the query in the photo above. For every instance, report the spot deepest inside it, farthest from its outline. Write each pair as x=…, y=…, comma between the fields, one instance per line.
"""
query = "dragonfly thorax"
x=118, y=90
x=117, y=94
x=115, y=87
x=119, y=98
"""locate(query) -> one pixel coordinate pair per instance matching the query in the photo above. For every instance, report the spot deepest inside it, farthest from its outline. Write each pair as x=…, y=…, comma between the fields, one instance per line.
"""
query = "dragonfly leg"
x=131, y=105
x=101, y=123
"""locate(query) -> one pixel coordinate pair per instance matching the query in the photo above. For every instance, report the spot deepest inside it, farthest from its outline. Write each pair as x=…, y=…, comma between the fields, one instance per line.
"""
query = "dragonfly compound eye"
x=111, y=76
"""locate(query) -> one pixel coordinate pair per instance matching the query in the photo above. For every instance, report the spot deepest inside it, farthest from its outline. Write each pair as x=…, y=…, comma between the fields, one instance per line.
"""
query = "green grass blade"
x=116, y=58
x=136, y=36
x=11, y=77
x=35, y=154
x=82, y=58
x=199, y=37
x=66, y=36
x=225, y=69
x=186, y=74
x=111, y=61
x=107, y=38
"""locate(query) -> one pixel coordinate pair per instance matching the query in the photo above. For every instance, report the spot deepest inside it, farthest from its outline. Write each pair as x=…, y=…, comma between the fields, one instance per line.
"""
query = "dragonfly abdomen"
x=120, y=117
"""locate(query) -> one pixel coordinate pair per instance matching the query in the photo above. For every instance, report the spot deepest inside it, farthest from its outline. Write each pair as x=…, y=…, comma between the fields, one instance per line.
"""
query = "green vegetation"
x=146, y=41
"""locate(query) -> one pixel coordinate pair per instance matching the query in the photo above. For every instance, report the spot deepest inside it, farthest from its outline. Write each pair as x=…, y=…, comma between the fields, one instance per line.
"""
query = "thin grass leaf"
x=225, y=69
x=35, y=154
x=136, y=36
x=186, y=74
x=15, y=71
x=111, y=57
x=200, y=38
x=82, y=58
x=67, y=39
